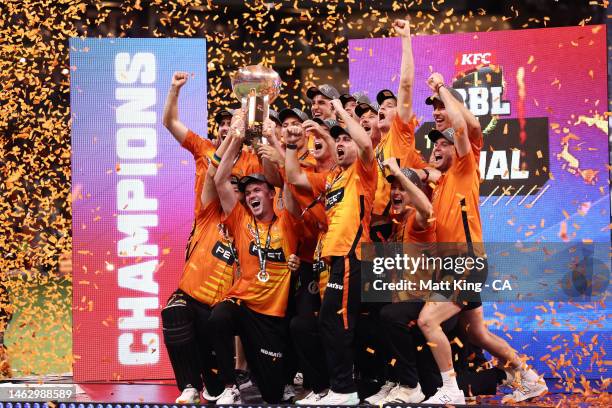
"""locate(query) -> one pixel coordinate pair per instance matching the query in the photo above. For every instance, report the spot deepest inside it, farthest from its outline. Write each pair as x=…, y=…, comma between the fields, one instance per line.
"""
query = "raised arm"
x=404, y=93
x=170, y=118
x=222, y=178
x=420, y=201
x=358, y=134
x=295, y=174
x=270, y=157
x=209, y=192
x=462, y=141
x=291, y=203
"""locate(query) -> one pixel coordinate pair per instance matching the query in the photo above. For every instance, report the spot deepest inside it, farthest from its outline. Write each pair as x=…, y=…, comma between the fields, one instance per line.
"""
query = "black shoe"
x=243, y=379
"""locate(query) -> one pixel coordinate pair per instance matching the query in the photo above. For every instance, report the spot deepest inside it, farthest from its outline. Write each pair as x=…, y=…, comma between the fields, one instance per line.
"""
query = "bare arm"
x=170, y=118
x=419, y=199
x=291, y=204
x=404, y=93
x=295, y=174
x=270, y=157
x=222, y=178
x=209, y=192
x=462, y=141
x=358, y=134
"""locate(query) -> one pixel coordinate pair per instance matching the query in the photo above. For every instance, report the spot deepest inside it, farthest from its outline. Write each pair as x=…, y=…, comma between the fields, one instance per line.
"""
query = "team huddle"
x=272, y=275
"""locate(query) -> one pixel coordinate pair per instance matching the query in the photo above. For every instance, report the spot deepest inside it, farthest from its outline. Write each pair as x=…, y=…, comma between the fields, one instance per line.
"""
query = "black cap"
x=430, y=99
x=285, y=113
x=329, y=123
x=410, y=175
x=358, y=97
x=274, y=116
x=384, y=95
x=337, y=130
x=252, y=178
x=448, y=134
x=362, y=108
x=223, y=113
x=326, y=90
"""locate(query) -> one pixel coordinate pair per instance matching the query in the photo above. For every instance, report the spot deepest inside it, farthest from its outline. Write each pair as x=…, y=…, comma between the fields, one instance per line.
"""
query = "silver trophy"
x=256, y=87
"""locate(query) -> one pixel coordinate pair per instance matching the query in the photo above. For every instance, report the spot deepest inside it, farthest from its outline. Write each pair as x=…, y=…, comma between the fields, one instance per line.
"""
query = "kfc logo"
x=467, y=60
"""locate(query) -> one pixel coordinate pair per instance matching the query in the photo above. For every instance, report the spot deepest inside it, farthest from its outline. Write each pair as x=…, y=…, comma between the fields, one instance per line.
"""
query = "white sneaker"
x=312, y=399
x=208, y=397
x=189, y=396
x=381, y=394
x=525, y=390
x=402, y=394
x=288, y=392
x=230, y=396
x=298, y=379
x=335, y=398
x=447, y=395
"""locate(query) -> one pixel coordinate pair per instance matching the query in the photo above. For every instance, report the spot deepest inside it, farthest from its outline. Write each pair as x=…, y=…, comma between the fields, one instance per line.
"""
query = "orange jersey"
x=208, y=271
x=398, y=143
x=313, y=216
x=247, y=163
x=269, y=298
x=201, y=149
x=349, y=195
x=407, y=230
x=456, y=202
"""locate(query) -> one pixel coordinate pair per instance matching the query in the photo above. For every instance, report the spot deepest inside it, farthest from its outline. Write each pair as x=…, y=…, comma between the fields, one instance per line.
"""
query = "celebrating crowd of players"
x=275, y=260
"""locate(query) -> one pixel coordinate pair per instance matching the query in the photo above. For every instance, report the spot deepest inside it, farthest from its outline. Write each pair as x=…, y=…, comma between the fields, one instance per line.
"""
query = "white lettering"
x=139, y=319
x=139, y=277
x=128, y=357
x=131, y=196
x=479, y=101
x=146, y=137
x=498, y=165
x=516, y=172
x=498, y=107
x=133, y=111
x=127, y=72
x=134, y=244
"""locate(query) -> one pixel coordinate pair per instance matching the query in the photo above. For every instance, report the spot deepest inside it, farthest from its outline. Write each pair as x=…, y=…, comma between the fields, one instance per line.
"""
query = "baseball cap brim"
x=344, y=98
x=285, y=113
x=384, y=95
x=251, y=178
x=223, y=113
x=410, y=174
x=435, y=134
x=274, y=116
x=362, y=108
x=328, y=91
x=337, y=130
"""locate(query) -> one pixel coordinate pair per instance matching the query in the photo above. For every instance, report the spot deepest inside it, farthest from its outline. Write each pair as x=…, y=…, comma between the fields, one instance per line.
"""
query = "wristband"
x=213, y=163
x=216, y=158
x=426, y=174
x=291, y=146
x=438, y=87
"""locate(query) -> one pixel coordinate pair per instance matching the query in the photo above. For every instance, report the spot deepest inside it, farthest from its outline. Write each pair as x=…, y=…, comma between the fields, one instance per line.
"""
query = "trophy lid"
x=262, y=80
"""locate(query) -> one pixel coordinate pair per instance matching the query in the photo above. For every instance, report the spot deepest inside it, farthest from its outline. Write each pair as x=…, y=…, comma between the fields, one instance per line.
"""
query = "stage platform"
x=131, y=394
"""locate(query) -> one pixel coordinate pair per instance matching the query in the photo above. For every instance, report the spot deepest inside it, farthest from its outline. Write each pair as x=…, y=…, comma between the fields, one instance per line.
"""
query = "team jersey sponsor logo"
x=333, y=285
x=223, y=253
x=275, y=354
x=272, y=255
x=334, y=197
